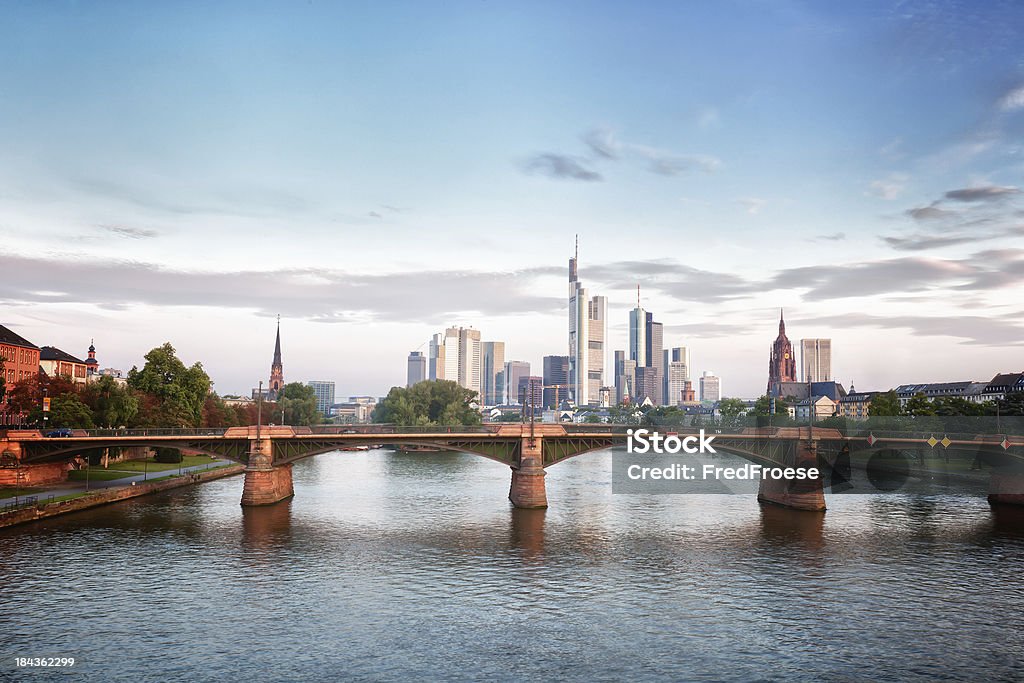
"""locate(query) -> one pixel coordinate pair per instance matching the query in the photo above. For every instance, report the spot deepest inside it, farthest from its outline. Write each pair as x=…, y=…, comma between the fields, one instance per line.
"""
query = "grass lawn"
x=152, y=466
x=10, y=491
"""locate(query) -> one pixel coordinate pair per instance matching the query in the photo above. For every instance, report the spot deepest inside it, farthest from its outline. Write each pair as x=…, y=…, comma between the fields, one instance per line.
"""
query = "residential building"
x=556, y=380
x=856, y=404
x=324, y=396
x=416, y=371
x=782, y=362
x=514, y=371
x=816, y=360
x=976, y=392
x=20, y=362
x=57, y=363
x=710, y=387
x=493, y=372
x=1002, y=384
x=823, y=407
x=800, y=390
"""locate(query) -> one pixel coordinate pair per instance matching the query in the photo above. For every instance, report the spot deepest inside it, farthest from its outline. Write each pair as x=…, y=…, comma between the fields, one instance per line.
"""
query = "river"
x=390, y=566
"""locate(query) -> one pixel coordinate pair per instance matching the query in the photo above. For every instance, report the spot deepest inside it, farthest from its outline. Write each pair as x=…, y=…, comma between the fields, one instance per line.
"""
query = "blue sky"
x=376, y=172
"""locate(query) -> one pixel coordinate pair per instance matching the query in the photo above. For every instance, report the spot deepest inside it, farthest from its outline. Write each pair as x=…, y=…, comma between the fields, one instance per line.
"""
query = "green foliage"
x=67, y=410
x=298, y=402
x=440, y=402
x=732, y=407
x=112, y=405
x=167, y=455
x=3, y=378
x=665, y=416
x=885, y=405
x=180, y=392
x=625, y=414
x=918, y=406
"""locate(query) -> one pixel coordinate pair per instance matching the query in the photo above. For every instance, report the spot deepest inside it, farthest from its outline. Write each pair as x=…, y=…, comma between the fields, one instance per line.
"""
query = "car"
x=58, y=433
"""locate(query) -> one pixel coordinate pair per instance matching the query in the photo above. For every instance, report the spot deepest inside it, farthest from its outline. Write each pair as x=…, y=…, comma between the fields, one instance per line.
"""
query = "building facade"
x=588, y=331
x=648, y=384
x=57, y=363
x=625, y=377
x=655, y=355
x=710, y=387
x=435, y=359
x=463, y=359
x=514, y=371
x=556, y=380
x=816, y=360
x=492, y=384
x=324, y=391
x=416, y=370
x=20, y=362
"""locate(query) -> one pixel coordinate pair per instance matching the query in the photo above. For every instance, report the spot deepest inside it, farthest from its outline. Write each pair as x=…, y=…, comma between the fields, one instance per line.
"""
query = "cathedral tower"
x=276, y=368
x=782, y=363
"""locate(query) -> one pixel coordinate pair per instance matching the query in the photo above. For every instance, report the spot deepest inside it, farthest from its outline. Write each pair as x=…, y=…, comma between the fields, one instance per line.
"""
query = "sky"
x=376, y=172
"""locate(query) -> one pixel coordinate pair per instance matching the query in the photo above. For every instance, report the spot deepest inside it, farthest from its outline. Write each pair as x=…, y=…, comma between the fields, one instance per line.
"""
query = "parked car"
x=59, y=432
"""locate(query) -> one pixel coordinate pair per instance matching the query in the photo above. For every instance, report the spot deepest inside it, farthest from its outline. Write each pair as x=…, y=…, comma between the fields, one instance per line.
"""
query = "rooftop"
x=9, y=337
x=53, y=353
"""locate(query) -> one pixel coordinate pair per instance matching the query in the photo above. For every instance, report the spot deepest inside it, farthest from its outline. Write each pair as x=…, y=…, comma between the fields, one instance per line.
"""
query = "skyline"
x=376, y=175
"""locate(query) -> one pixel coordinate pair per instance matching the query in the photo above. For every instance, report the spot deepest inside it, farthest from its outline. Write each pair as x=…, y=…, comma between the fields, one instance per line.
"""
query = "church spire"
x=277, y=367
x=277, y=344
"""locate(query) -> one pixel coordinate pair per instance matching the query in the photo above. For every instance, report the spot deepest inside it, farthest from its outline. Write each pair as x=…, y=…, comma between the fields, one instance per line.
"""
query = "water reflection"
x=803, y=528
x=267, y=527
x=526, y=533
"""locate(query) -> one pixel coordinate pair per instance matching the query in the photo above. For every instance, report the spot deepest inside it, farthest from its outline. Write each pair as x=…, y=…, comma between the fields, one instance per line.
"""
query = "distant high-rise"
x=417, y=370
x=638, y=334
x=710, y=387
x=677, y=354
x=462, y=358
x=324, y=396
x=531, y=393
x=514, y=371
x=625, y=377
x=588, y=327
x=782, y=362
x=493, y=355
x=556, y=380
x=816, y=360
x=436, y=359
x=655, y=355
x=677, y=382
x=648, y=384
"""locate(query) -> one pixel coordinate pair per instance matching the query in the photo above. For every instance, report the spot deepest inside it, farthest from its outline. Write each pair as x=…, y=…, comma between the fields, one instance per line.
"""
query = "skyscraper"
x=638, y=334
x=276, y=367
x=781, y=362
x=588, y=327
x=625, y=377
x=531, y=394
x=493, y=354
x=677, y=354
x=435, y=361
x=417, y=370
x=710, y=387
x=462, y=358
x=648, y=384
x=677, y=382
x=556, y=380
x=655, y=355
x=816, y=360
x=324, y=396
x=514, y=371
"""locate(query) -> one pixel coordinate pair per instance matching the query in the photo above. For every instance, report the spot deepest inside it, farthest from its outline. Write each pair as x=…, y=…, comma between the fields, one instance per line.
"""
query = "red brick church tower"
x=782, y=363
x=276, y=368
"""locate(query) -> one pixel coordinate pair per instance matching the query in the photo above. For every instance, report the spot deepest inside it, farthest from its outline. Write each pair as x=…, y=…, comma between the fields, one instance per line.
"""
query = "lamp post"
x=259, y=410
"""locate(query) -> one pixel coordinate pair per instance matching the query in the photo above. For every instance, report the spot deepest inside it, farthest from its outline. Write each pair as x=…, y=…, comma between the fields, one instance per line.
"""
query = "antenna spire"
x=638, y=295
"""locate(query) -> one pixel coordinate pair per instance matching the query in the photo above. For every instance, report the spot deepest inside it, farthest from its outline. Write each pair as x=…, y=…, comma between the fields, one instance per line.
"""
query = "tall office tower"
x=417, y=371
x=493, y=354
x=648, y=384
x=638, y=333
x=324, y=396
x=655, y=354
x=587, y=333
x=677, y=354
x=677, y=382
x=462, y=358
x=781, y=362
x=514, y=371
x=710, y=387
x=556, y=380
x=435, y=361
x=531, y=393
x=625, y=377
x=597, y=333
x=816, y=360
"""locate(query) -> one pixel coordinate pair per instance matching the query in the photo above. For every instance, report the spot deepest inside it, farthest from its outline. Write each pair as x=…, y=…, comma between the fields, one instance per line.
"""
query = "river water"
x=390, y=566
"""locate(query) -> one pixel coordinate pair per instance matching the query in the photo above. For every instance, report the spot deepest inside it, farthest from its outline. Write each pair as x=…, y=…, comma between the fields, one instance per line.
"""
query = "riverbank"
x=104, y=496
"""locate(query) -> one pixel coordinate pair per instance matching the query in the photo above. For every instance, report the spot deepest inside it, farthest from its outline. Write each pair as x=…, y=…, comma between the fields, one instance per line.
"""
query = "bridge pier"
x=806, y=494
x=528, y=489
x=265, y=484
x=1006, y=487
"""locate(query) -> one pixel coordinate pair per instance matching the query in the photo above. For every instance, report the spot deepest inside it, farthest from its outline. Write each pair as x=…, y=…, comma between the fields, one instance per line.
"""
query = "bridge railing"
x=153, y=431
x=400, y=429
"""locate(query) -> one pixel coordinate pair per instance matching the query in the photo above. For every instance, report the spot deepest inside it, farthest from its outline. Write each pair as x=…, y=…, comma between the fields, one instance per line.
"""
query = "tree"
x=625, y=414
x=298, y=402
x=180, y=391
x=440, y=402
x=919, y=405
x=3, y=378
x=112, y=405
x=67, y=410
x=885, y=405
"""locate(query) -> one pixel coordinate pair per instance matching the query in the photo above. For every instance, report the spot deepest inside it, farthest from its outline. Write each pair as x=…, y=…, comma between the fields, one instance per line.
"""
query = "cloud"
x=752, y=205
x=929, y=213
x=985, y=193
x=602, y=143
x=668, y=165
x=1012, y=100
x=888, y=188
x=834, y=237
x=561, y=166
x=131, y=233
x=374, y=214
x=973, y=329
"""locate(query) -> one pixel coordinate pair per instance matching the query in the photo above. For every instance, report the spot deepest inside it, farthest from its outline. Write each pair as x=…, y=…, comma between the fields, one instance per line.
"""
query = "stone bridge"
x=528, y=449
